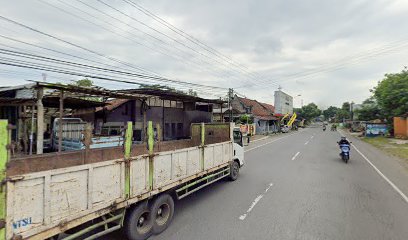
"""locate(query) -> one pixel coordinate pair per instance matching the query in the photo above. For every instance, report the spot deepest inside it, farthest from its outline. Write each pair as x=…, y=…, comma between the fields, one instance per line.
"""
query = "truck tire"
x=162, y=210
x=138, y=223
x=234, y=171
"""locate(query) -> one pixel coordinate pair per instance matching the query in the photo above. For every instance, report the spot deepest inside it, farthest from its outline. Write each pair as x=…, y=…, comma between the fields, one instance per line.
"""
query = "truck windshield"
x=237, y=137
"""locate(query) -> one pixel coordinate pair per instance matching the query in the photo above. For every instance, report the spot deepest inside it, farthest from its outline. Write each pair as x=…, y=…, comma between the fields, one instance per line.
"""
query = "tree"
x=193, y=93
x=369, y=112
x=330, y=112
x=246, y=119
x=308, y=112
x=346, y=106
x=84, y=83
x=342, y=114
x=392, y=94
x=87, y=83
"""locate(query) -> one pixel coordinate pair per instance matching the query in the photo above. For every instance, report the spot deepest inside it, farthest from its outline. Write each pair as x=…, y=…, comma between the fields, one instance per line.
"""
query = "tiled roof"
x=113, y=104
x=270, y=107
x=262, y=110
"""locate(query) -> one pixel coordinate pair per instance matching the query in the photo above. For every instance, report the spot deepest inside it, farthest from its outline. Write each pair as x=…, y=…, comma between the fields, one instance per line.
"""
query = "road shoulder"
x=394, y=168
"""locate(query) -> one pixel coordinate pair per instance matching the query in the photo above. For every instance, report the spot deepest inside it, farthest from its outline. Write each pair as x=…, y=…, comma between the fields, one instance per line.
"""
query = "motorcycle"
x=324, y=128
x=333, y=128
x=345, y=152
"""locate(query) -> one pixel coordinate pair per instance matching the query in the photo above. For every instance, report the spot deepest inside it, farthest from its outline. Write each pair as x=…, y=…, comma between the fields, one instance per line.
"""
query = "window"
x=173, y=130
x=179, y=105
x=167, y=130
x=179, y=129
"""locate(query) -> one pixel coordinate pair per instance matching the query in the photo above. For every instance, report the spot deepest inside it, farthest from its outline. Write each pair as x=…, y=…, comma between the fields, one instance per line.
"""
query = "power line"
x=178, y=57
x=65, y=70
x=175, y=40
x=197, y=42
x=88, y=50
x=190, y=38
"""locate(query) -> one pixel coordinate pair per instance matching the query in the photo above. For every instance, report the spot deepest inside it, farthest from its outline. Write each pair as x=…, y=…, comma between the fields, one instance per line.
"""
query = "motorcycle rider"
x=343, y=140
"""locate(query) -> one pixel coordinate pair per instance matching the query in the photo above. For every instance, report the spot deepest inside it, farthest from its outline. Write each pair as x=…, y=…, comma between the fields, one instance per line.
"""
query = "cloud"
x=271, y=43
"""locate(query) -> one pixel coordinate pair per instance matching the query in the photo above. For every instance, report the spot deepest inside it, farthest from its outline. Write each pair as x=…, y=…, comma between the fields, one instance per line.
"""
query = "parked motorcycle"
x=324, y=128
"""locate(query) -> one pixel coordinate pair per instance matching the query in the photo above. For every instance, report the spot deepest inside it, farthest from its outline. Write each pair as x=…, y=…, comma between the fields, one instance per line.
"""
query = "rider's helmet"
x=343, y=138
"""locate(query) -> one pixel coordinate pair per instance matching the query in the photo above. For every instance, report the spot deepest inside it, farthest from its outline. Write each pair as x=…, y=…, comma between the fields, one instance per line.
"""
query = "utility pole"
x=230, y=97
x=351, y=111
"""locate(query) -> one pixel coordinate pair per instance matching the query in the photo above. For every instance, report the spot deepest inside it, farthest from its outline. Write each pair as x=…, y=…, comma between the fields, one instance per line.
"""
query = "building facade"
x=283, y=103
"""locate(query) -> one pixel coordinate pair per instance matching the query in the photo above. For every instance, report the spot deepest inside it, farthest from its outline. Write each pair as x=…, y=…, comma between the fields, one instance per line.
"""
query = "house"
x=219, y=111
x=39, y=110
x=172, y=112
x=261, y=113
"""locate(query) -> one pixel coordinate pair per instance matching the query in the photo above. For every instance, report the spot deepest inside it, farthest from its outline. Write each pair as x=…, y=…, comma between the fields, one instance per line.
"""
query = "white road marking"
x=306, y=142
x=256, y=200
x=297, y=154
x=312, y=137
x=268, y=142
x=383, y=176
x=256, y=140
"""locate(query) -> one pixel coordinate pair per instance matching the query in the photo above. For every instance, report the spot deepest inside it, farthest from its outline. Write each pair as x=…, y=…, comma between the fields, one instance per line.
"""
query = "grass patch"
x=387, y=145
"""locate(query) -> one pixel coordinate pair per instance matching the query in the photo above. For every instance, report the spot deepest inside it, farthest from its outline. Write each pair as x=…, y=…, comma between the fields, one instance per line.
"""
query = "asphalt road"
x=295, y=186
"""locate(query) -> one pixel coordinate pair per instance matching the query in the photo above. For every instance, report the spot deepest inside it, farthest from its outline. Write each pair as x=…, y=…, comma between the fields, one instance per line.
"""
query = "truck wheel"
x=162, y=210
x=234, y=171
x=138, y=223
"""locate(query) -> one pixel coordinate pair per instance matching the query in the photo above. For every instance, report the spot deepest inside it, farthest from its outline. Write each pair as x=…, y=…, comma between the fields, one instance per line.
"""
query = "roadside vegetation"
x=398, y=148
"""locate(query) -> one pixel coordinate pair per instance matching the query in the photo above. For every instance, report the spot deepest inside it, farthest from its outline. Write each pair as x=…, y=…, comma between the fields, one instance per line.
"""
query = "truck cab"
x=238, y=146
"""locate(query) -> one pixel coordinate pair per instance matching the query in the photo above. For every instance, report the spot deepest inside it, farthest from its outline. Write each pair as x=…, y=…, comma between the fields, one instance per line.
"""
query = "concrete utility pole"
x=61, y=121
x=351, y=111
x=40, y=120
x=230, y=96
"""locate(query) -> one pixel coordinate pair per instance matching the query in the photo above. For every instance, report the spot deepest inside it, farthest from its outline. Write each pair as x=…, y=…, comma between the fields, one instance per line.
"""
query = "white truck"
x=92, y=192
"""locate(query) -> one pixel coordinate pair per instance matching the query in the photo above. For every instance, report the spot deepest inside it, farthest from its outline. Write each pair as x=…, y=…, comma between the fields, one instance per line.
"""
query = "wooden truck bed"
x=49, y=201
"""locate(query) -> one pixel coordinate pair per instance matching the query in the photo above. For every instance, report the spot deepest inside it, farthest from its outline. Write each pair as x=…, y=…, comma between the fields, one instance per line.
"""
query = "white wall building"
x=283, y=103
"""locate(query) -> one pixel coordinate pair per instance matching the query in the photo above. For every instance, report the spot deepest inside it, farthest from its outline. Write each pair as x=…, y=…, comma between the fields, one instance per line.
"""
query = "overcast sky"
x=328, y=51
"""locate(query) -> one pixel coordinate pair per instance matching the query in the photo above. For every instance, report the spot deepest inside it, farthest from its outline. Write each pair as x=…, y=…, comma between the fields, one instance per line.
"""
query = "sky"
x=326, y=51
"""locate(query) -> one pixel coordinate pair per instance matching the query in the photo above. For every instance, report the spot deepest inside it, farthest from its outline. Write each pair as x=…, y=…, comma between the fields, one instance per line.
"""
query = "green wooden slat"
x=150, y=141
x=150, y=134
x=128, y=146
x=202, y=134
x=202, y=145
x=4, y=156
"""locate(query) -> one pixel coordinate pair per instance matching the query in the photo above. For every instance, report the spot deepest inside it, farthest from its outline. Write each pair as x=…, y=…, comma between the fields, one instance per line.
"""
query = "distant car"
x=285, y=129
